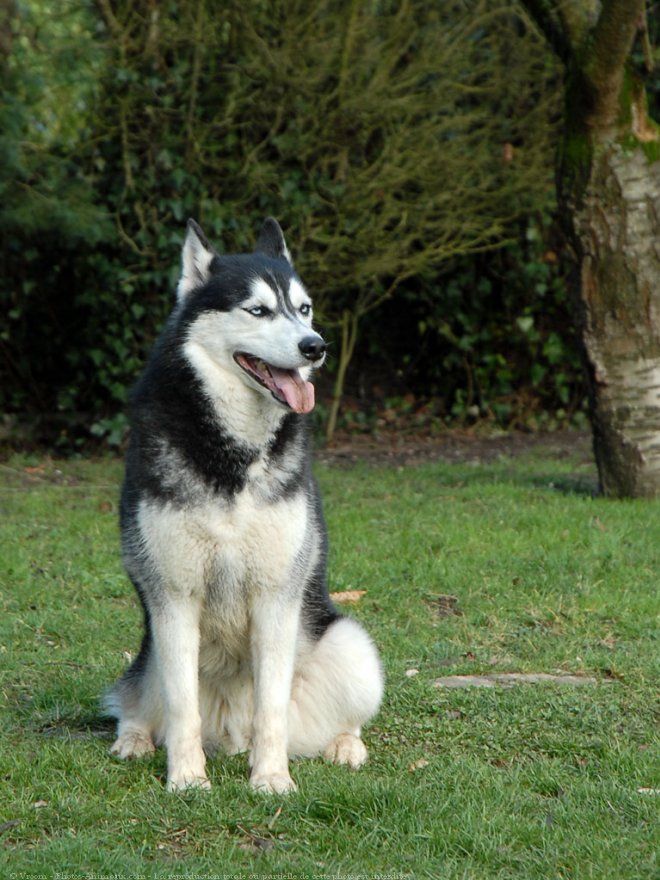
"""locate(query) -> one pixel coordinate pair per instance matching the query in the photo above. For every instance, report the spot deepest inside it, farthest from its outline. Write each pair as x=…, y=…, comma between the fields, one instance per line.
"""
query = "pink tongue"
x=297, y=393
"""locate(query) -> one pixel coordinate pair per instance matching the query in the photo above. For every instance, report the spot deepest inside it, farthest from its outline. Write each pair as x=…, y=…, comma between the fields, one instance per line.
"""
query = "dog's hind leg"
x=337, y=688
x=135, y=702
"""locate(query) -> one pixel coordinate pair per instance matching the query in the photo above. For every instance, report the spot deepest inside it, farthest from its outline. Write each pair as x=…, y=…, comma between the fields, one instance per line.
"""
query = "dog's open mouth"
x=287, y=386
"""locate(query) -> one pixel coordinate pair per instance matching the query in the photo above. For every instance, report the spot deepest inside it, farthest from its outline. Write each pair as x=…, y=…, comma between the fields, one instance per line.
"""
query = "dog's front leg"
x=274, y=630
x=176, y=640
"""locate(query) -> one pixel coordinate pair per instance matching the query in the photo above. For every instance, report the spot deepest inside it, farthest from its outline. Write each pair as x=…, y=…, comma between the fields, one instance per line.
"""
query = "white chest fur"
x=215, y=549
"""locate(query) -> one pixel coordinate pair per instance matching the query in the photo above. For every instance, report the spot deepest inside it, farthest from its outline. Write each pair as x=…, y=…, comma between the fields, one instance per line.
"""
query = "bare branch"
x=611, y=44
x=613, y=36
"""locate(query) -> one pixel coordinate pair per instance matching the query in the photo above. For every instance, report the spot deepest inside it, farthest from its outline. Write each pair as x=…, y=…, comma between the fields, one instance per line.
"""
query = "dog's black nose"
x=312, y=347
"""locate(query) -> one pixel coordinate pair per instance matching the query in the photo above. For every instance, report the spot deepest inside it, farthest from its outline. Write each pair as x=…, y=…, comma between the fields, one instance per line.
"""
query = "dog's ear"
x=271, y=241
x=196, y=258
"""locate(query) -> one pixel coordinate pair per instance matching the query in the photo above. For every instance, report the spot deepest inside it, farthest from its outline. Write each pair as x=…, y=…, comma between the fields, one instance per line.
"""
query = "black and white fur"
x=224, y=539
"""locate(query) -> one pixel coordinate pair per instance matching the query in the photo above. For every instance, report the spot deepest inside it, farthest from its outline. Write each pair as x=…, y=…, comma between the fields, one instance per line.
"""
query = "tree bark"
x=616, y=233
x=609, y=195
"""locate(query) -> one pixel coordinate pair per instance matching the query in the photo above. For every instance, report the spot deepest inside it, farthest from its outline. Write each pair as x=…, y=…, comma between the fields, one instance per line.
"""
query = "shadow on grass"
x=576, y=484
x=78, y=727
x=52, y=712
x=570, y=484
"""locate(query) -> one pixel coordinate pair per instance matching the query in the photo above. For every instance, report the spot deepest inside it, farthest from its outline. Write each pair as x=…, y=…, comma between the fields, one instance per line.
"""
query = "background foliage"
x=406, y=149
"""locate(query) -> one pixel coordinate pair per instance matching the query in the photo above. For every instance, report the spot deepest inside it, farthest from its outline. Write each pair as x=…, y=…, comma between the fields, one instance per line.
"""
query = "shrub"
x=392, y=141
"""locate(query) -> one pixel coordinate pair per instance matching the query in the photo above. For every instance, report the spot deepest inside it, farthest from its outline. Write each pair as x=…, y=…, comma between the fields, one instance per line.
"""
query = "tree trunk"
x=616, y=233
x=609, y=193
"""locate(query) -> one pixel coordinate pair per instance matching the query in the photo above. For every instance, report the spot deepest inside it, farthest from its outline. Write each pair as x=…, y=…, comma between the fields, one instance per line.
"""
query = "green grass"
x=536, y=781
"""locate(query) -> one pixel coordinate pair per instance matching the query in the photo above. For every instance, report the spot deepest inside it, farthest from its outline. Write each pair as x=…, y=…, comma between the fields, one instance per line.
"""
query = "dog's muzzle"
x=312, y=347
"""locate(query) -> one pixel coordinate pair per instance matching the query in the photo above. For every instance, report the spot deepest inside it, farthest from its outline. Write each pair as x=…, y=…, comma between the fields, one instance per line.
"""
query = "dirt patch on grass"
x=510, y=679
x=397, y=448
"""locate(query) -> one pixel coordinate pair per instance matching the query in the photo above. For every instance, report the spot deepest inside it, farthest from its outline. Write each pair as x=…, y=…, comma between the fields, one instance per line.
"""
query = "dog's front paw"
x=346, y=749
x=186, y=781
x=186, y=766
x=132, y=744
x=273, y=783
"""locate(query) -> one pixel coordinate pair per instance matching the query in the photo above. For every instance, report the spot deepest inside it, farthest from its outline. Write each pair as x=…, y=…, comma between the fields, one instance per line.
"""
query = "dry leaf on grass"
x=347, y=597
x=418, y=765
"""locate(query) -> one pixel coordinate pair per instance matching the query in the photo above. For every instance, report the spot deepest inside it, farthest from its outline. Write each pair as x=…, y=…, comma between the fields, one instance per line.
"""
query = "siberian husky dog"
x=224, y=539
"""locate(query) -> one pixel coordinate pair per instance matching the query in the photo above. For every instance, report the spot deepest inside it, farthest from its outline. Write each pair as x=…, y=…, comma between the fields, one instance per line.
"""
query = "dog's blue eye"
x=305, y=309
x=258, y=311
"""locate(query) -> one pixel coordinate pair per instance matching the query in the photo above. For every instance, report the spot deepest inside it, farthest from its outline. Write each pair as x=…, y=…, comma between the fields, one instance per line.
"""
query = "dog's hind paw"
x=132, y=744
x=346, y=749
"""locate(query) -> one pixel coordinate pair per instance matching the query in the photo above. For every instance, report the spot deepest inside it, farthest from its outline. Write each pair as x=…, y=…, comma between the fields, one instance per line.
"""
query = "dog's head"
x=250, y=315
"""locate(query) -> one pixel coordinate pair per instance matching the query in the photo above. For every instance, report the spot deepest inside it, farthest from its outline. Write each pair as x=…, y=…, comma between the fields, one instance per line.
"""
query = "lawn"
x=469, y=569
